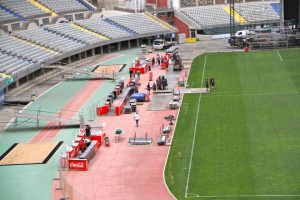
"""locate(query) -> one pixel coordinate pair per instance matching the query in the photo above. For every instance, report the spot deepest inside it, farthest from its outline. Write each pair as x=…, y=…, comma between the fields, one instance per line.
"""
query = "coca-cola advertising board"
x=78, y=164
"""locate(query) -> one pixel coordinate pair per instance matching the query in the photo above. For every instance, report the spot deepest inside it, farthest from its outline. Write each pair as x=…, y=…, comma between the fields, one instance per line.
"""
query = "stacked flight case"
x=132, y=103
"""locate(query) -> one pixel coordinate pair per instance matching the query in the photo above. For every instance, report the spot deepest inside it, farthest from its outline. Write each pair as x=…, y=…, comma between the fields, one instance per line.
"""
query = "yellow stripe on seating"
x=160, y=22
x=156, y=21
x=42, y=7
x=89, y=31
x=35, y=45
x=237, y=15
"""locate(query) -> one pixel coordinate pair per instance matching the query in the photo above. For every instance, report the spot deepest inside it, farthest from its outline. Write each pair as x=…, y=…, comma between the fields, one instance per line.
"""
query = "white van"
x=243, y=33
x=158, y=44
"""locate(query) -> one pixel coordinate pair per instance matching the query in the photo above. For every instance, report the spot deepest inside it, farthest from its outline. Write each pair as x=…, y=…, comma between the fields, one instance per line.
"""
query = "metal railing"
x=274, y=40
x=68, y=191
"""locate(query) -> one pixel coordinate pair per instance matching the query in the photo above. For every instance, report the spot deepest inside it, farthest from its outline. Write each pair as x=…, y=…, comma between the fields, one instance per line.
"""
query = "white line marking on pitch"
x=285, y=60
x=186, y=107
x=279, y=56
x=193, y=196
x=194, y=136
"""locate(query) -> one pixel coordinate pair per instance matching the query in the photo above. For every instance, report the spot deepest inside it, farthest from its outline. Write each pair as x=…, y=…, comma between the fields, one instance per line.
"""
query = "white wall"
x=176, y=4
x=135, y=4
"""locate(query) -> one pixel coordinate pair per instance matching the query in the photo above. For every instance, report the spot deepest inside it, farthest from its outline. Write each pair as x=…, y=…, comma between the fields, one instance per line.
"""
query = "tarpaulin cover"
x=138, y=96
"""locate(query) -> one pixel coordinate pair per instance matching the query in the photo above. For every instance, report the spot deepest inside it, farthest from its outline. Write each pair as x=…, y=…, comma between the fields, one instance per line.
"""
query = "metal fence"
x=274, y=40
x=66, y=188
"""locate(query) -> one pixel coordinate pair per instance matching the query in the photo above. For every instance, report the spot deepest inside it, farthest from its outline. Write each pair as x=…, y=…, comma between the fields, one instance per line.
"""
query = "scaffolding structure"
x=231, y=18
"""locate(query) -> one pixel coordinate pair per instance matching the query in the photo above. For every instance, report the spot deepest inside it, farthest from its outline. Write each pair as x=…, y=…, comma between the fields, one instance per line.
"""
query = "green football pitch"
x=241, y=140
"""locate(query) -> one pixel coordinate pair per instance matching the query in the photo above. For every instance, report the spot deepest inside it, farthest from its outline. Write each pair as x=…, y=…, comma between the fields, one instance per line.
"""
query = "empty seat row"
x=17, y=47
x=103, y=28
x=208, y=16
x=5, y=16
x=138, y=22
x=211, y=16
x=13, y=65
x=68, y=30
x=63, y=6
x=51, y=40
x=257, y=11
x=22, y=7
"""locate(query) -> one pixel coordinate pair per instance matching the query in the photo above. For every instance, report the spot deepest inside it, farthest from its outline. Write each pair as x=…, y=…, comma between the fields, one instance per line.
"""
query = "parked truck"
x=177, y=62
x=160, y=44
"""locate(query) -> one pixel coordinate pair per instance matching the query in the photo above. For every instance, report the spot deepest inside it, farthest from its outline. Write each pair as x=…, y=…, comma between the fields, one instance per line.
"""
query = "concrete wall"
x=107, y=4
x=182, y=27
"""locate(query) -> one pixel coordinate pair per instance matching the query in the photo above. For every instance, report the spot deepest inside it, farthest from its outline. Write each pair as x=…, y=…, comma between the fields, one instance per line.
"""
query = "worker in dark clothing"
x=164, y=83
x=210, y=83
x=158, y=83
x=154, y=87
x=148, y=87
x=130, y=73
x=213, y=83
x=153, y=62
x=87, y=131
x=207, y=85
x=158, y=60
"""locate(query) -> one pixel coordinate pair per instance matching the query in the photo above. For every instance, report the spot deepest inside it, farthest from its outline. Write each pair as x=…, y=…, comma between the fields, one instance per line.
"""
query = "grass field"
x=242, y=140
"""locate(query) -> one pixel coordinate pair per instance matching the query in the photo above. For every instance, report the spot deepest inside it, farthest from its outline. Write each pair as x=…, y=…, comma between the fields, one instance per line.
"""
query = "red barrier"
x=101, y=110
x=169, y=56
x=143, y=69
x=119, y=107
x=78, y=164
x=98, y=110
x=81, y=135
x=76, y=148
x=118, y=90
x=96, y=138
x=105, y=108
x=71, y=153
x=164, y=65
x=150, y=76
x=107, y=105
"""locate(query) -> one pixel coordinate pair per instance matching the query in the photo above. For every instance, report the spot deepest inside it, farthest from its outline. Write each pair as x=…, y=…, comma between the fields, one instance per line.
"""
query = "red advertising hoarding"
x=78, y=164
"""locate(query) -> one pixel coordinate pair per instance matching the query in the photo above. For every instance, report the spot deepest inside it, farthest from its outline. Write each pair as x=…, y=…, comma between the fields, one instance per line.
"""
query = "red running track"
x=124, y=172
x=46, y=134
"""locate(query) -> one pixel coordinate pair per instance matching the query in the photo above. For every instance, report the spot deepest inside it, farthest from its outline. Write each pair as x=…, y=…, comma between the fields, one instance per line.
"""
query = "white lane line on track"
x=194, y=136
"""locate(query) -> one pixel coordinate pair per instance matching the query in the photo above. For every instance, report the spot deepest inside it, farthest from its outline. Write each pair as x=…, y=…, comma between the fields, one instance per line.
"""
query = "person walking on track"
x=148, y=88
x=137, y=118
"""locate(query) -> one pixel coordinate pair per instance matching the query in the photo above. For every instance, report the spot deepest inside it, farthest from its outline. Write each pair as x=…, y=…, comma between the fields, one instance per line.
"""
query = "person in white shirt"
x=137, y=118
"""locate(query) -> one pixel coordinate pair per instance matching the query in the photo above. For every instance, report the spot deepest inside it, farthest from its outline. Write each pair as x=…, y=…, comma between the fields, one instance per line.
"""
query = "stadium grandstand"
x=77, y=63
x=53, y=43
x=213, y=19
x=21, y=14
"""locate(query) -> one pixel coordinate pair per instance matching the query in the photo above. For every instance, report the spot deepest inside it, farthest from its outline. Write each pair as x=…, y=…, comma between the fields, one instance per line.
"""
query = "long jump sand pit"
x=29, y=153
x=108, y=69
